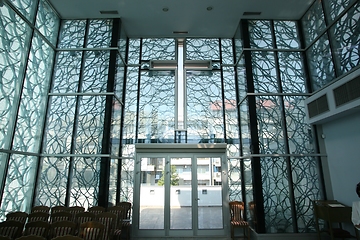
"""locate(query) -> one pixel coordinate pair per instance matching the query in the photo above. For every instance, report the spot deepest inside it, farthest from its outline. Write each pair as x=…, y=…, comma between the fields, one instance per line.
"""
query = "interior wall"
x=342, y=143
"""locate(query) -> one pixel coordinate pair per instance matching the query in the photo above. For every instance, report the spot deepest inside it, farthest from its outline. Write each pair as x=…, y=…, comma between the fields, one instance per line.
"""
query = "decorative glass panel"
x=286, y=35
x=134, y=51
x=95, y=75
x=127, y=180
x=245, y=127
x=47, y=22
x=72, y=33
x=292, y=72
x=26, y=7
x=277, y=204
x=19, y=184
x=227, y=55
x=335, y=7
x=29, y=125
x=270, y=132
x=14, y=38
x=158, y=49
x=320, y=63
x=313, y=22
x=59, y=131
x=99, y=33
x=156, y=108
x=346, y=40
x=260, y=34
x=202, y=49
x=204, y=107
x=264, y=72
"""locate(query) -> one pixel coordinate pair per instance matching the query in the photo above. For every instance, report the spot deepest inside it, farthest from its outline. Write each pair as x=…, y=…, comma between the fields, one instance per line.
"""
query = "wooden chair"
x=237, y=221
x=38, y=216
x=40, y=208
x=120, y=212
x=81, y=218
x=17, y=216
x=91, y=230
x=96, y=209
x=38, y=228
x=59, y=208
x=62, y=228
x=126, y=222
x=109, y=220
x=74, y=210
x=11, y=229
x=67, y=237
x=31, y=237
x=60, y=216
x=4, y=238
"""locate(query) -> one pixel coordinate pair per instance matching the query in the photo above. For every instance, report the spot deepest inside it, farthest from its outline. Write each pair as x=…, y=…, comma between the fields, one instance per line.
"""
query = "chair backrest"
x=75, y=209
x=4, y=238
x=96, y=209
x=38, y=228
x=31, y=237
x=127, y=206
x=91, y=230
x=60, y=208
x=109, y=220
x=67, y=237
x=40, y=208
x=17, y=216
x=236, y=210
x=38, y=216
x=60, y=216
x=120, y=212
x=62, y=228
x=11, y=228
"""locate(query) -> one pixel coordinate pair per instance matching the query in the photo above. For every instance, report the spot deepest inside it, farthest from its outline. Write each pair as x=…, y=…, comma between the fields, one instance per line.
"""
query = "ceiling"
x=198, y=18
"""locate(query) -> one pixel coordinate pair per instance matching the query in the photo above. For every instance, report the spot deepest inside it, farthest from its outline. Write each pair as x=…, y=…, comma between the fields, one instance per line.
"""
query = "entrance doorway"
x=181, y=193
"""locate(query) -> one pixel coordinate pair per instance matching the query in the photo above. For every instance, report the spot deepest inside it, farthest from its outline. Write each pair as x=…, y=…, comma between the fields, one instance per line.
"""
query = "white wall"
x=342, y=143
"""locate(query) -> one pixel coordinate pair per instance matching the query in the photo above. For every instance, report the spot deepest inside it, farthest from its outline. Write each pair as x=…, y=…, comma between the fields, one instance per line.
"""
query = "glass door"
x=179, y=195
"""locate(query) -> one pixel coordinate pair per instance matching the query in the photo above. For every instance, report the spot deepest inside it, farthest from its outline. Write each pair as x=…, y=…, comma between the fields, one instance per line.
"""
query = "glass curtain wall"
x=28, y=34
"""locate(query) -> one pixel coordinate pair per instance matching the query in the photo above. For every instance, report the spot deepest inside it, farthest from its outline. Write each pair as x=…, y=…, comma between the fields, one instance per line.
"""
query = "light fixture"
x=165, y=9
x=198, y=64
x=209, y=8
x=162, y=64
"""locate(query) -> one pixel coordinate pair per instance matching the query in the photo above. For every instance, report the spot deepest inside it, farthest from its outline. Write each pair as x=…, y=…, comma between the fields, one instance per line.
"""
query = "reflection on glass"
x=180, y=193
x=152, y=193
x=209, y=193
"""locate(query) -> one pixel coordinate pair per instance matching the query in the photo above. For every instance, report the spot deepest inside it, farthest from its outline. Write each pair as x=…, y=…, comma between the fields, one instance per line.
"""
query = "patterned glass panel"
x=158, y=49
x=204, y=107
x=260, y=34
x=113, y=179
x=264, y=72
x=72, y=34
x=67, y=72
x=53, y=181
x=95, y=75
x=227, y=55
x=84, y=190
x=14, y=40
x=300, y=136
x=270, y=132
x=305, y=177
x=249, y=194
x=286, y=35
x=60, y=126
x=130, y=112
x=346, y=40
x=19, y=184
x=119, y=78
x=335, y=7
x=26, y=7
x=99, y=33
x=202, y=49
x=134, y=51
x=313, y=22
x=241, y=79
x=292, y=72
x=320, y=63
x=47, y=22
x=231, y=116
x=277, y=205
x=127, y=180
x=157, y=108
x=116, y=127
x=238, y=44
x=122, y=43
x=245, y=128
x=235, y=178
x=34, y=97
x=90, y=125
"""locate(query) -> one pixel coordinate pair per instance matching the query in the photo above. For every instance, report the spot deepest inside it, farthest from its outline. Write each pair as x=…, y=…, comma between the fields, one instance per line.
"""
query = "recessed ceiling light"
x=251, y=13
x=180, y=32
x=209, y=8
x=165, y=9
x=109, y=12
